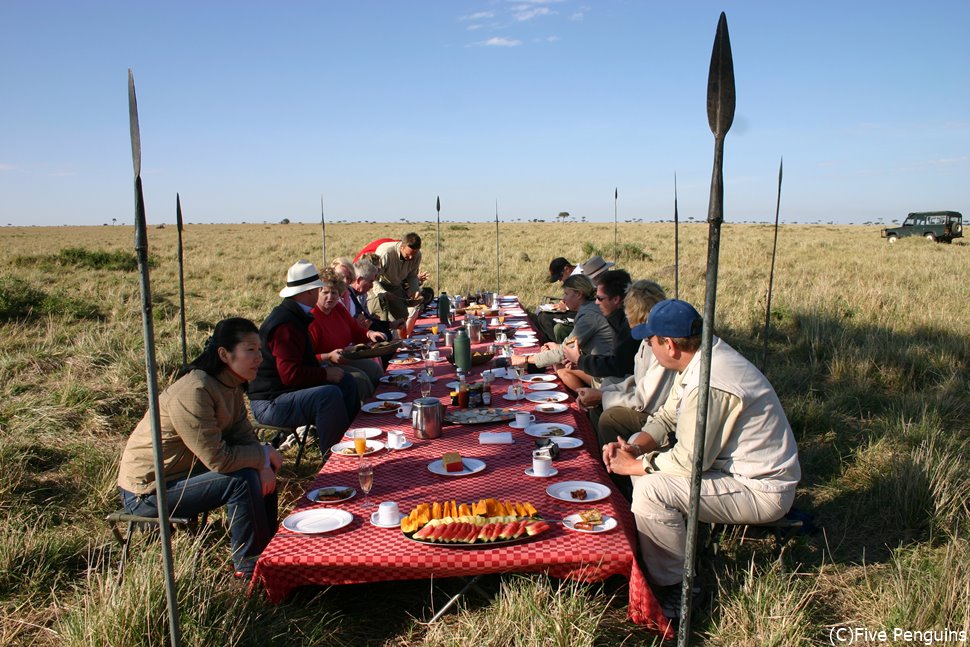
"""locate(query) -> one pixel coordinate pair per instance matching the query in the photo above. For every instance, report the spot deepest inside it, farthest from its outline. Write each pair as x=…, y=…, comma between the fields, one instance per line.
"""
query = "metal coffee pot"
x=427, y=417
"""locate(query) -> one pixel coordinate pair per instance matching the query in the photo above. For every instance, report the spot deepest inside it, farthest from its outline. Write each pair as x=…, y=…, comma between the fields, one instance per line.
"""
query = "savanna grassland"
x=869, y=352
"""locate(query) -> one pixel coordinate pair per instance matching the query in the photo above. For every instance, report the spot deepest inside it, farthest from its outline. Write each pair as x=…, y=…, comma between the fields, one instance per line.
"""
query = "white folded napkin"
x=495, y=438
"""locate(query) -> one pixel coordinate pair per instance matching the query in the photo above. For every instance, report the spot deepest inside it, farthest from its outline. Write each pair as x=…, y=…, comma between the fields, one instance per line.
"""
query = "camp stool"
x=135, y=522
x=279, y=436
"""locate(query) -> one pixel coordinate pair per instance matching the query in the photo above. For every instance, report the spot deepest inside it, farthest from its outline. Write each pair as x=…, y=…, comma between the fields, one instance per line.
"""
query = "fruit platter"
x=484, y=524
x=479, y=415
x=379, y=349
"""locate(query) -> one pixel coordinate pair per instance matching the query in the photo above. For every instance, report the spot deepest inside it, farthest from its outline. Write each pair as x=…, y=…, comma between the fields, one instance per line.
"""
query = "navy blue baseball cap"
x=670, y=318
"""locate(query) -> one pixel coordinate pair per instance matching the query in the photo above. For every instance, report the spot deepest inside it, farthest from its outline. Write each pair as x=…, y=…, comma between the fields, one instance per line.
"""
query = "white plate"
x=389, y=379
x=504, y=373
x=609, y=523
x=548, y=396
x=453, y=385
x=312, y=494
x=372, y=446
x=471, y=465
x=391, y=395
x=525, y=344
x=539, y=377
x=529, y=472
x=516, y=324
x=423, y=378
x=515, y=425
x=594, y=491
x=550, y=407
x=369, y=432
x=566, y=442
x=375, y=522
x=542, y=386
x=542, y=429
x=547, y=307
x=407, y=445
x=401, y=371
x=379, y=407
x=311, y=522
x=512, y=398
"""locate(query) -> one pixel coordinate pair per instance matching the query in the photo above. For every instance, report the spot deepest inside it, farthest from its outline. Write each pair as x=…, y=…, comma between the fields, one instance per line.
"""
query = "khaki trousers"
x=619, y=421
x=660, y=503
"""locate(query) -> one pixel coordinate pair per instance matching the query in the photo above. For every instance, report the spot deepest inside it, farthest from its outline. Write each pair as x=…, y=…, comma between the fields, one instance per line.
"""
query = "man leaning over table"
x=750, y=461
x=397, y=282
x=291, y=389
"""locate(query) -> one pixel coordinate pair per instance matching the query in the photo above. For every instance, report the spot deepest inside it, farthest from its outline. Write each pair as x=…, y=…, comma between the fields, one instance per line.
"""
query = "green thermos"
x=444, y=307
x=463, y=351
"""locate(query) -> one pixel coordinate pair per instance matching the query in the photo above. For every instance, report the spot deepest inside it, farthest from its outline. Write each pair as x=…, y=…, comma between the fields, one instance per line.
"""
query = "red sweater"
x=335, y=330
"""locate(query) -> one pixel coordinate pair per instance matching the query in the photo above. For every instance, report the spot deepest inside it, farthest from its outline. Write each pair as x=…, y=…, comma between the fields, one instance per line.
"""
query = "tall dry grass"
x=868, y=351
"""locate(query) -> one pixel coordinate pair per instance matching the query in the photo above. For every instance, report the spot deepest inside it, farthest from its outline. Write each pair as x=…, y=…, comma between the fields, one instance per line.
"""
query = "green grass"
x=871, y=363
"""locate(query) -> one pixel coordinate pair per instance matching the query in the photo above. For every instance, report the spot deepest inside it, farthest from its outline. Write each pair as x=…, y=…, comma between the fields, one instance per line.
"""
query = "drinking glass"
x=426, y=378
x=360, y=442
x=365, y=474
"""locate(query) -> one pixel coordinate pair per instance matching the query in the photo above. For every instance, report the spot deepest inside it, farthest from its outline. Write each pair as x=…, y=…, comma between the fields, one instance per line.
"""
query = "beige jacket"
x=397, y=273
x=645, y=390
x=205, y=427
x=748, y=435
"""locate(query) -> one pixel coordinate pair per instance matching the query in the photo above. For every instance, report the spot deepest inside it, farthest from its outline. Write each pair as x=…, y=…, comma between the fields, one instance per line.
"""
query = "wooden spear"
x=437, y=245
x=771, y=275
x=497, y=284
x=720, y=115
x=676, y=243
x=616, y=247
x=141, y=251
x=178, y=227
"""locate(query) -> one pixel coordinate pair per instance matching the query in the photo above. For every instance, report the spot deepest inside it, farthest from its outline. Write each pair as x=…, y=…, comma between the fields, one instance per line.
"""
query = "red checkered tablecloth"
x=362, y=552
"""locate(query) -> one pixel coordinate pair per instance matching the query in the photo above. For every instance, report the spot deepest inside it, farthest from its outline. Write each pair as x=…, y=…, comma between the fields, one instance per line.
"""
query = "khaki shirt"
x=397, y=273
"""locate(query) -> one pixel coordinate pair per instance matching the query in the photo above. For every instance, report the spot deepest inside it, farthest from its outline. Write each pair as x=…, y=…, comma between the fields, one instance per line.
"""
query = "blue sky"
x=252, y=111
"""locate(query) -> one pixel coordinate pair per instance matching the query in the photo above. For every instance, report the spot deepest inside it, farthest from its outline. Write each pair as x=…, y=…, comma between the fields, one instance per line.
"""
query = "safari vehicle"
x=941, y=226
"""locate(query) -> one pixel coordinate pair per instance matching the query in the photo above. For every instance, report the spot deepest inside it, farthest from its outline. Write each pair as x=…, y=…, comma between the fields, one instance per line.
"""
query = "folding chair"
x=135, y=522
x=280, y=435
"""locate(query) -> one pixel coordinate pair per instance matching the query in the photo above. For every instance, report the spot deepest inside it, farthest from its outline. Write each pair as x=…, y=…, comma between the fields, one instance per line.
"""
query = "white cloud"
x=526, y=12
x=577, y=16
x=478, y=15
x=7, y=167
x=500, y=41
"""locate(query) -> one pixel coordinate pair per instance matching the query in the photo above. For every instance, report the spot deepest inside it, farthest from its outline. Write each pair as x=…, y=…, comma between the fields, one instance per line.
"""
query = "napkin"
x=495, y=438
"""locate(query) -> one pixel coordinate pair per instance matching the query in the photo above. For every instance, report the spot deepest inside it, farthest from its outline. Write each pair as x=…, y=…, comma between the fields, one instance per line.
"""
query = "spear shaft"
x=437, y=245
x=323, y=232
x=720, y=115
x=178, y=227
x=141, y=251
x=616, y=248
x=498, y=291
x=771, y=274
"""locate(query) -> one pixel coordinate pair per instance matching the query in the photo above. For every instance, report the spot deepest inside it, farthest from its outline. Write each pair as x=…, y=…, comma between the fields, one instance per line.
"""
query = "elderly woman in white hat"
x=291, y=389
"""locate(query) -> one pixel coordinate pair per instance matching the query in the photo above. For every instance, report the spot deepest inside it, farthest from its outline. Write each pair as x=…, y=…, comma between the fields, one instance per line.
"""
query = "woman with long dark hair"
x=211, y=455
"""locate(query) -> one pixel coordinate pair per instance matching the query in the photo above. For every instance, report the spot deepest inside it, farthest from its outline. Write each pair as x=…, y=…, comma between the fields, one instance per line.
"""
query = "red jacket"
x=372, y=246
x=335, y=330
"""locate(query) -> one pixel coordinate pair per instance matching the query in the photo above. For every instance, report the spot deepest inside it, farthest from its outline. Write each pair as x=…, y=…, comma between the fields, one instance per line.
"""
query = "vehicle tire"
x=892, y=238
x=930, y=237
x=957, y=229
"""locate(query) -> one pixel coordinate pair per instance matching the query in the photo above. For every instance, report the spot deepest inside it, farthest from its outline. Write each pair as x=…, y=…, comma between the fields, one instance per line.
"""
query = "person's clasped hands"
x=622, y=458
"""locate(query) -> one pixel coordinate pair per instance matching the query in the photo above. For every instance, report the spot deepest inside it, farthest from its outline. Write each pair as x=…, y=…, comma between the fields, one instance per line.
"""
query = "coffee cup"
x=395, y=437
x=388, y=513
x=541, y=463
x=434, y=355
x=493, y=321
x=523, y=418
x=405, y=409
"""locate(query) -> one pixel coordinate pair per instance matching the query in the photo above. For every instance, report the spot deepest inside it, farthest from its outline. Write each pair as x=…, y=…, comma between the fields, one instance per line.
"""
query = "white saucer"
x=529, y=472
x=516, y=426
x=407, y=445
x=375, y=522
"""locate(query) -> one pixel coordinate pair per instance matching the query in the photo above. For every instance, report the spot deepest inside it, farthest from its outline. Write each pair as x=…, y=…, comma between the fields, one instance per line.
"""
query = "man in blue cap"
x=750, y=457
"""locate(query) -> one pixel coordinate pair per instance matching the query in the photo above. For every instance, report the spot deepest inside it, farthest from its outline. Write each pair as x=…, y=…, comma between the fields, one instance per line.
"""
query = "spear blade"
x=133, y=125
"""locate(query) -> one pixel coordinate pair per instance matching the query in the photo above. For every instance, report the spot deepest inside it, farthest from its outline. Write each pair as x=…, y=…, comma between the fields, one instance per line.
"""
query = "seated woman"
x=333, y=330
x=211, y=454
x=591, y=332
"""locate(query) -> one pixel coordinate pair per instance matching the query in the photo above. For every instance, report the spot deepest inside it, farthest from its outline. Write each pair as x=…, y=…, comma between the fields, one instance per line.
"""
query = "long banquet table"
x=361, y=552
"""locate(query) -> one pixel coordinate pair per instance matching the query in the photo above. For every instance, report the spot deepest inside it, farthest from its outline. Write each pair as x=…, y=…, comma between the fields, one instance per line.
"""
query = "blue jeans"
x=331, y=407
x=252, y=517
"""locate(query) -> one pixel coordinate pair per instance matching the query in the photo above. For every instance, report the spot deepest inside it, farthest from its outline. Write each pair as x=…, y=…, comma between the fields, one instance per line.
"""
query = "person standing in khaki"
x=397, y=282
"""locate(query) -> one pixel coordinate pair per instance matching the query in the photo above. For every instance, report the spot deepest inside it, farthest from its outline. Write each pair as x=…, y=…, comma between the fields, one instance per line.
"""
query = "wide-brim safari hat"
x=595, y=266
x=301, y=276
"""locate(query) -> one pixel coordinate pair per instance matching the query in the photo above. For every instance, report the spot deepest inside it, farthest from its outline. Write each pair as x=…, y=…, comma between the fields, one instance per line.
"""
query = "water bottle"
x=444, y=305
x=463, y=351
